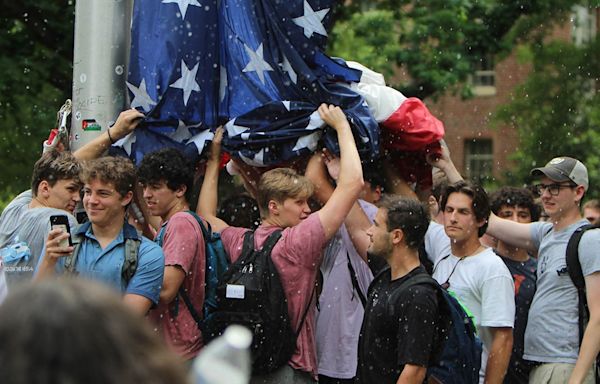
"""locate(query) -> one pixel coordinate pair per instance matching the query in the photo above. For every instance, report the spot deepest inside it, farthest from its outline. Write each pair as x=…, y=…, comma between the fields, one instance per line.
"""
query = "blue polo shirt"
x=105, y=265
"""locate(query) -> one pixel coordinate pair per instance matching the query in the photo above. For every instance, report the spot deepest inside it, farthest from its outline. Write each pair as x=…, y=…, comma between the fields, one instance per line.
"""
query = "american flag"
x=256, y=66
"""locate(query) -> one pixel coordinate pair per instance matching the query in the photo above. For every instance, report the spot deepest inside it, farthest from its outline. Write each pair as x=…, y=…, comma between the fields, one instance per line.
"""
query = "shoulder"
x=591, y=236
x=490, y=265
x=183, y=218
x=149, y=251
x=370, y=209
x=182, y=222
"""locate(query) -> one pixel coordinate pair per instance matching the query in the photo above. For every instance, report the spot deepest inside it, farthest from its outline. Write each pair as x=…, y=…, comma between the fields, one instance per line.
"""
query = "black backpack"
x=576, y=275
x=458, y=356
x=250, y=294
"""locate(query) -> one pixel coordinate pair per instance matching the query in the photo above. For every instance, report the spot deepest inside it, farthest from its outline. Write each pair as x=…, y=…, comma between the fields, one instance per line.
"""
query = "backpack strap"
x=132, y=247
x=207, y=234
x=576, y=275
x=355, y=285
x=305, y=314
x=78, y=237
x=132, y=250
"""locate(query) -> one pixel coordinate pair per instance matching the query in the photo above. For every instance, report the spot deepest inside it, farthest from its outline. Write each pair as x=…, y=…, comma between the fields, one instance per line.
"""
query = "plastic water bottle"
x=226, y=360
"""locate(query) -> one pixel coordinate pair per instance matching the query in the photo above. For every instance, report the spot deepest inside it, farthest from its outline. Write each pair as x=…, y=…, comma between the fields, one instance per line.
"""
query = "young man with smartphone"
x=101, y=253
x=167, y=179
x=25, y=222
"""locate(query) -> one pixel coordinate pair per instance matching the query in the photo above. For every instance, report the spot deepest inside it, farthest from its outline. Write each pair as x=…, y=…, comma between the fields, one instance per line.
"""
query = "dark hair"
x=515, y=197
x=240, y=211
x=75, y=331
x=168, y=165
x=116, y=170
x=480, y=201
x=409, y=215
x=374, y=174
x=54, y=166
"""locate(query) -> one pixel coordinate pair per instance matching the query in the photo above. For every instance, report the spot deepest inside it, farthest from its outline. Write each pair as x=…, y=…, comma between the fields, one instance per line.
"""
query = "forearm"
x=412, y=374
x=96, y=147
x=357, y=222
x=46, y=269
x=510, y=232
x=350, y=166
x=451, y=172
x=498, y=359
x=590, y=347
x=207, y=202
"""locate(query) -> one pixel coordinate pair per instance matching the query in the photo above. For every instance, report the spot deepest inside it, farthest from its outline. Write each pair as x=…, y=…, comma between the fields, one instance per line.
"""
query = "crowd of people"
x=351, y=231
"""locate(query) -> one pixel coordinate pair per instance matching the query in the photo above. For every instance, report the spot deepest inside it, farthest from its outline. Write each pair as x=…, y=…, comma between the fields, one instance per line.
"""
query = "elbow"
x=167, y=296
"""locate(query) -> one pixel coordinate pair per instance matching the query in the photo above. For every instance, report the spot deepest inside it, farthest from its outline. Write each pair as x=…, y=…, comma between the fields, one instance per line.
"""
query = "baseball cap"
x=562, y=169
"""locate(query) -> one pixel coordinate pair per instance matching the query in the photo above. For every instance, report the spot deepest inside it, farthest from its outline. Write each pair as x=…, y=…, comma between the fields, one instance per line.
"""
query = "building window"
x=479, y=159
x=483, y=80
x=583, y=22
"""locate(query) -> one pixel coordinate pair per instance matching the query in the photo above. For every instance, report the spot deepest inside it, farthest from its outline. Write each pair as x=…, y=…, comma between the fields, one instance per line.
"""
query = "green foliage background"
x=437, y=43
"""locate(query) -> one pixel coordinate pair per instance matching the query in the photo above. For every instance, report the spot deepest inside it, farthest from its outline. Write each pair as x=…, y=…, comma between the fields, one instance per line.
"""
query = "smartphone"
x=62, y=222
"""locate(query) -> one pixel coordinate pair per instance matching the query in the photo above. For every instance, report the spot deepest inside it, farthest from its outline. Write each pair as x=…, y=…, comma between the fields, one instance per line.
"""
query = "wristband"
x=109, y=137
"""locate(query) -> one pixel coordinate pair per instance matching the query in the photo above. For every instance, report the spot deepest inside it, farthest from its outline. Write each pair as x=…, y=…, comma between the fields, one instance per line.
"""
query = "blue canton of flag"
x=256, y=64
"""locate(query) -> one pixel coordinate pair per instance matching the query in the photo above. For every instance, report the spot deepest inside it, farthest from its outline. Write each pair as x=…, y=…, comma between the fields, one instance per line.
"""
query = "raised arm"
x=207, y=202
x=444, y=163
x=357, y=222
x=127, y=121
x=350, y=182
x=511, y=232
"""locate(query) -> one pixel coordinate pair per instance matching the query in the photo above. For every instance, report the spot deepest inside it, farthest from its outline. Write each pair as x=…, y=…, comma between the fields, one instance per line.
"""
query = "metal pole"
x=101, y=54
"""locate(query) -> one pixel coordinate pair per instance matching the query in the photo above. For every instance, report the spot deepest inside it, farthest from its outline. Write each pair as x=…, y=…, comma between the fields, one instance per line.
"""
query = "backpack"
x=250, y=294
x=132, y=247
x=217, y=263
x=459, y=359
x=576, y=275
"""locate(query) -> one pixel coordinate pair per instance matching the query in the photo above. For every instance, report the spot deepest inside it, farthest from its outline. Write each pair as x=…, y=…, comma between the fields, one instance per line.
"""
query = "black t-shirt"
x=400, y=327
x=524, y=275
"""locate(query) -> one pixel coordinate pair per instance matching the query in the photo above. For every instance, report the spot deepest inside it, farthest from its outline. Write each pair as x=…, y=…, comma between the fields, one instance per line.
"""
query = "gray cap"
x=562, y=169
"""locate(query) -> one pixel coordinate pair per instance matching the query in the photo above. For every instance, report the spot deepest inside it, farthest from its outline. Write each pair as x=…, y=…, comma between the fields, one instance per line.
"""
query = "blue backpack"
x=459, y=358
x=217, y=262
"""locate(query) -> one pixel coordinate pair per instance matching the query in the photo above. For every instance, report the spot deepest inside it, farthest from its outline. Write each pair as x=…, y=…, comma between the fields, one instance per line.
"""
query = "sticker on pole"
x=90, y=125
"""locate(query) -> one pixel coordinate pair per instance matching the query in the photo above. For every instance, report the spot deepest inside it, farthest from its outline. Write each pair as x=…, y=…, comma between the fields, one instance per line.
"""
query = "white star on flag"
x=140, y=96
x=183, y=5
x=287, y=68
x=200, y=139
x=222, y=83
x=187, y=81
x=257, y=63
x=258, y=160
x=308, y=141
x=312, y=21
x=182, y=133
x=233, y=130
x=126, y=142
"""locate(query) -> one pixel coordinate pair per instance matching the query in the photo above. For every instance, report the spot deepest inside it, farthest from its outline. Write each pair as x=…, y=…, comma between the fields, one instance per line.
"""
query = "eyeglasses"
x=553, y=189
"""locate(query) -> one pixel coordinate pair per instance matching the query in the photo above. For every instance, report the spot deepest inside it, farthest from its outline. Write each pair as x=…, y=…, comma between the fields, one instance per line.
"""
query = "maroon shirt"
x=297, y=256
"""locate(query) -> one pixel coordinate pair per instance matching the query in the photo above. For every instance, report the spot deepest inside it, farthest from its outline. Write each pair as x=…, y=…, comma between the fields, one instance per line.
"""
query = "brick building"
x=480, y=148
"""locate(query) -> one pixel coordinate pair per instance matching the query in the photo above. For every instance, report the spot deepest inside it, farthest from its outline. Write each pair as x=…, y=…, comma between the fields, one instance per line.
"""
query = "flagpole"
x=100, y=59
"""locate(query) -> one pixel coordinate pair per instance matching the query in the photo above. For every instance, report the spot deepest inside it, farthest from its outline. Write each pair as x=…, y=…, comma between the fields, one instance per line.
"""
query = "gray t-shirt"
x=23, y=233
x=552, y=333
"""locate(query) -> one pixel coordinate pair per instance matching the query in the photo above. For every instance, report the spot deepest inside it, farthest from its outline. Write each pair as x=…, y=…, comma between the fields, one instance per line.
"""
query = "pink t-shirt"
x=297, y=256
x=183, y=246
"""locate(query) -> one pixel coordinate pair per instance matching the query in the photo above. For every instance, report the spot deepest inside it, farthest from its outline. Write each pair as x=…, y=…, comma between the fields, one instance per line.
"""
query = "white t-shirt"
x=484, y=285
x=437, y=243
